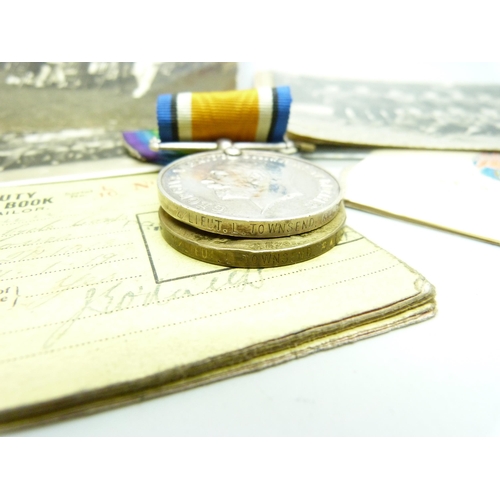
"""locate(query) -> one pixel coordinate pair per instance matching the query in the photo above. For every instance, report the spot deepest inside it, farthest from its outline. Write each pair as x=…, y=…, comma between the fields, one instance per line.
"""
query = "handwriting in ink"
x=116, y=298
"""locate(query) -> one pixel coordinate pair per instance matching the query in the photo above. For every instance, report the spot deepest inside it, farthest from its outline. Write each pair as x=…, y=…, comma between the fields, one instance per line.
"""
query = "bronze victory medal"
x=251, y=252
x=254, y=194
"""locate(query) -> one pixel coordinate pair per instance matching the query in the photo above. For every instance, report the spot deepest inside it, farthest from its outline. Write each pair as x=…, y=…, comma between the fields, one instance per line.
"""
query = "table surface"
x=437, y=378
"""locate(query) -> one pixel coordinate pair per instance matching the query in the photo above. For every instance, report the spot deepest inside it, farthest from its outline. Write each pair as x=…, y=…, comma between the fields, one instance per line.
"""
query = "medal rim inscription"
x=250, y=252
x=243, y=226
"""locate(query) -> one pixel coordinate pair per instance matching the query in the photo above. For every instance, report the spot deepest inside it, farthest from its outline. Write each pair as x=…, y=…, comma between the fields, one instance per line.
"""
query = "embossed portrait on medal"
x=264, y=185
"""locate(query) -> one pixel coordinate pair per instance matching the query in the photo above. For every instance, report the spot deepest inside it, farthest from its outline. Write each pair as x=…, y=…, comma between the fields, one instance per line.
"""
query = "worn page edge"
x=425, y=310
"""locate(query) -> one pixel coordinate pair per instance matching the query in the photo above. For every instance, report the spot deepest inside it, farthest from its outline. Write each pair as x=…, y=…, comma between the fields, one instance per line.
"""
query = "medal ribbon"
x=259, y=115
x=256, y=115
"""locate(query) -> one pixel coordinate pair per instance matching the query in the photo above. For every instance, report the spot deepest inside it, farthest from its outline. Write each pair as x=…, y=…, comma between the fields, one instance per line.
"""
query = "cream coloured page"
x=94, y=303
x=448, y=190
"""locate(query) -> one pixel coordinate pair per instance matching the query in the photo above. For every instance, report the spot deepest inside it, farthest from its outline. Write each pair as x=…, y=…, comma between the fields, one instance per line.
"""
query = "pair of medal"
x=241, y=204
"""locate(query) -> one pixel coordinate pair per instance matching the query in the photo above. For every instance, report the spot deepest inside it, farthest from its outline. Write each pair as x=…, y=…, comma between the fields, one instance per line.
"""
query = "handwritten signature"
x=116, y=297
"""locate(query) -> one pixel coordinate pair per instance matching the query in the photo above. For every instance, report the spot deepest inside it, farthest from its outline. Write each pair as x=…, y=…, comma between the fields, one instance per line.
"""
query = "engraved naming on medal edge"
x=260, y=195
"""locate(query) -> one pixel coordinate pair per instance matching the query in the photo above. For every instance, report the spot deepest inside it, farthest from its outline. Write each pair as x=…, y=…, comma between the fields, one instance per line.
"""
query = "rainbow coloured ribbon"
x=256, y=115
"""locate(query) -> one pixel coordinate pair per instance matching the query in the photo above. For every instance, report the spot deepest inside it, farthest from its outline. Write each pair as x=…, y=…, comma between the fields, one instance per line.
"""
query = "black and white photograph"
x=59, y=114
x=117, y=96
x=433, y=115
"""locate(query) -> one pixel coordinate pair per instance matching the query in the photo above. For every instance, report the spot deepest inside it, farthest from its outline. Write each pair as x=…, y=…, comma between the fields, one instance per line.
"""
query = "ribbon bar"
x=241, y=115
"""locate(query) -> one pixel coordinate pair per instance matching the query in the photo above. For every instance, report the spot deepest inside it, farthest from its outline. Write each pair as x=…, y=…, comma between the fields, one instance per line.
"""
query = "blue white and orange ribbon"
x=259, y=115
x=256, y=115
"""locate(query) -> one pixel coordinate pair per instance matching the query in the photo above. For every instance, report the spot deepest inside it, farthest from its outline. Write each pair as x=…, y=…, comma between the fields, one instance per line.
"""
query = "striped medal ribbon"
x=256, y=115
x=259, y=115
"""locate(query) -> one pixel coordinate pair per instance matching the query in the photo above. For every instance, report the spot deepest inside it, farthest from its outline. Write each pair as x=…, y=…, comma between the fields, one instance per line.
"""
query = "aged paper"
x=454, y=191
x=388, y=114
x=97, y=310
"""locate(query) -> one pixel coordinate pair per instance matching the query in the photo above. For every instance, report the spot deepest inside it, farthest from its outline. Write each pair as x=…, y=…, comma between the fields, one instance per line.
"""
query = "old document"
x=454, y=191
x=97, y=310
x=392, y=114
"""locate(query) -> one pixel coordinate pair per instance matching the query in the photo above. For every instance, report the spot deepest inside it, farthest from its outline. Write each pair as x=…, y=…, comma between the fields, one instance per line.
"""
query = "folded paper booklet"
x=98, y=311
